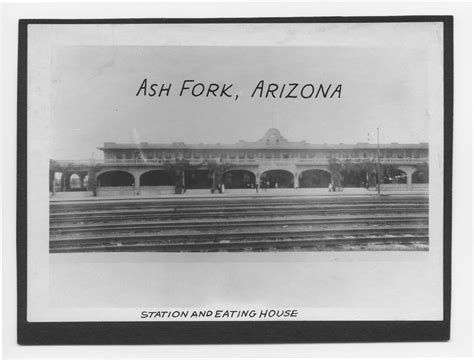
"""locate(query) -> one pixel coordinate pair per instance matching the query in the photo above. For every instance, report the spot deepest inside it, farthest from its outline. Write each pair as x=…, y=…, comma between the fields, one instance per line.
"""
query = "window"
x=268, y=155
x=250, y=155
x=119, y=155
x=286, y=156
x=241, y=155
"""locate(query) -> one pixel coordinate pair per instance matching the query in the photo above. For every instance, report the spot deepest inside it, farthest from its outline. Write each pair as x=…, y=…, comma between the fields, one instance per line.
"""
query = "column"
x=184, y=182
x=137, y=184
x=296, y=180
x=92, y=181
x=409, y=175
x=257, y=180
x=63, y=177
x=67, y=181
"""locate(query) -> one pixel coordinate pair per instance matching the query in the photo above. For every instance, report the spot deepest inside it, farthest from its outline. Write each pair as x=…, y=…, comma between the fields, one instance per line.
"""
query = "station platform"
x=231, y=193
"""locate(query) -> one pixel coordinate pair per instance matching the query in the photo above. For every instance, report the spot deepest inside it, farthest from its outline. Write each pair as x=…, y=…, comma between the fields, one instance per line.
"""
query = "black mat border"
x=238, y=332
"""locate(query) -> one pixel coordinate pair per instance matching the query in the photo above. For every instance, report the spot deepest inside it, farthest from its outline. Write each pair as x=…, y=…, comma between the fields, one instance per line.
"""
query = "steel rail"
x=230, y=201
x=228, y=209
x=236, y=235
x=144, y=226
x=223, y=214
x=236, y=205
x=245, y=245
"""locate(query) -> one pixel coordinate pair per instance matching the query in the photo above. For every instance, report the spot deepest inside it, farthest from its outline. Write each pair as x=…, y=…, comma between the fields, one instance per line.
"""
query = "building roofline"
x=306, y=146
x=272, y=140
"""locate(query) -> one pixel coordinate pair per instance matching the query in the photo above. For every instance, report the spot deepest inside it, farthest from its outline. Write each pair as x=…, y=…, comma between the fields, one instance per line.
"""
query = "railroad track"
x=239, y=239
x=239, y=225
x=164, y=213
x=145, y=226
x=248, y=245
x=140, y=204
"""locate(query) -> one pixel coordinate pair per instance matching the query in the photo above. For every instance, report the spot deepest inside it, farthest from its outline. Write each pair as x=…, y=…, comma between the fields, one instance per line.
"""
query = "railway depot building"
x=272, y=162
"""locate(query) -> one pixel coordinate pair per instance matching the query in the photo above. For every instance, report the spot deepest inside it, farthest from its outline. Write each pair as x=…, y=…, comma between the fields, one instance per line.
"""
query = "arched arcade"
x=238, y=179
x=277, y=179
x=314, y=178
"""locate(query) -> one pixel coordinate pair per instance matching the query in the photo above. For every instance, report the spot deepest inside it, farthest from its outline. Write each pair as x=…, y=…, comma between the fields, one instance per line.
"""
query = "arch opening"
x=358, y=178
x=156, y=178
x=75, y=182
x=394, y=176
x=58, y=181
x=197, y=179
x=277, y=179
x=314, y=179
x=115, y=178
x=238, y=179
x=420, y=177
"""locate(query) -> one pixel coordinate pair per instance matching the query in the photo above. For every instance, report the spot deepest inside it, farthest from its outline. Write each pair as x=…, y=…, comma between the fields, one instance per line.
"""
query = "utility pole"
x=378, y=163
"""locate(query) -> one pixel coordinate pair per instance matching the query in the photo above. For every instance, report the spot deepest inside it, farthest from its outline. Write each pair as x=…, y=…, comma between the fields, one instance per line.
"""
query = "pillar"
x=137, y=184
x=63, y=185
x=409, y=170
x=92, y=181
x=296, y=181
x=409, y=176
x=81, y=178
x=67, y=181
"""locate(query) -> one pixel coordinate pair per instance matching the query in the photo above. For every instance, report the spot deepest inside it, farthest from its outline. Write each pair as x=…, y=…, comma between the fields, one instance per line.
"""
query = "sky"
x=93, y=95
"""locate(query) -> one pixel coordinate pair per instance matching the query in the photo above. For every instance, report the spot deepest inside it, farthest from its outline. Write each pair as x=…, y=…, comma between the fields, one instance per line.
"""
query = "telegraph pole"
x=378, y=163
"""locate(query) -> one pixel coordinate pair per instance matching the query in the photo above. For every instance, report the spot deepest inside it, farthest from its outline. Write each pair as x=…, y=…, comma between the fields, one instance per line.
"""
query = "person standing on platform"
x=330, y=187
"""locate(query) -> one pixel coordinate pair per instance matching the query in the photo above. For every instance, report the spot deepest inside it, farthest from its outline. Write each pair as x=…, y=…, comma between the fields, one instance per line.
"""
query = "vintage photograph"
x=213, y=171
x=238, y=149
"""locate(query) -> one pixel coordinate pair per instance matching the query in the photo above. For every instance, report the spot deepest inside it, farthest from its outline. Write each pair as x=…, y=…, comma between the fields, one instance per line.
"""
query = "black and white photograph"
x=255, y=171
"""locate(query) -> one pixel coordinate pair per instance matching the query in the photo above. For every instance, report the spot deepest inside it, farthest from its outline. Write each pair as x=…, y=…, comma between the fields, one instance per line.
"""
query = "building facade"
x=270, y=162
